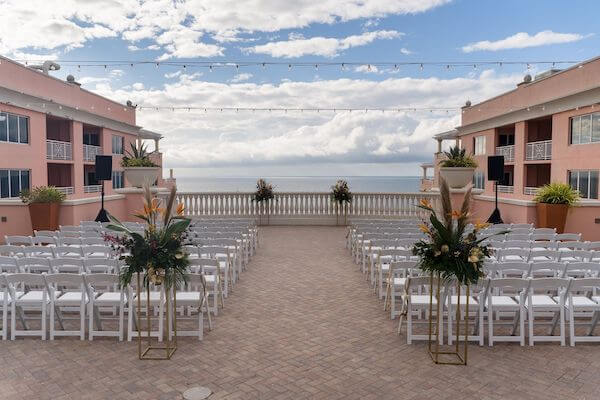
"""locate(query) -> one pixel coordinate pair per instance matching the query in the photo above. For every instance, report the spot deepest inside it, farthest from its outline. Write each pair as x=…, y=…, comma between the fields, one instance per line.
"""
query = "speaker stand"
x=102, y=215
x=495, y=218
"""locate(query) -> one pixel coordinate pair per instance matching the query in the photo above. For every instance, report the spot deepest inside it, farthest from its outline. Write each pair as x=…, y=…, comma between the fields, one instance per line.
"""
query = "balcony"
x=90, y=152
x=66, y=189
x=505, y=189
x=539, y=150
x=57, y=150
x=92, y=189
x=507, y=151
x=531, y=191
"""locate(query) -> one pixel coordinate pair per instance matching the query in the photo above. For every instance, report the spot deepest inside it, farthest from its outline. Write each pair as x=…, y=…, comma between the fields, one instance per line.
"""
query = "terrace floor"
x=302, y=323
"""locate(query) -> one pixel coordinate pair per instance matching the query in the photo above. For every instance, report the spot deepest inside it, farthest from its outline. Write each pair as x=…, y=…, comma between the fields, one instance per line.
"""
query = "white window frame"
x=479, y=180
x=119, y=176
x=577, y=120
x=6, y=115
x=589, y=181
x=21, y=188
x=122, y=140
x=479, y=147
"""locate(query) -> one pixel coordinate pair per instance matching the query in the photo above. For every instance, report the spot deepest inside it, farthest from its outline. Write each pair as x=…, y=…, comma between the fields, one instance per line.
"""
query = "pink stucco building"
x=548, y=130
x=50, y=133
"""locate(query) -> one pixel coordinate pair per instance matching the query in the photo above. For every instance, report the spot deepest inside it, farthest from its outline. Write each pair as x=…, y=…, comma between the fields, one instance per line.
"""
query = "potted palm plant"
x=138, y=168
x=263, y=195
x=458, y=168
x=553, y=202
x=44, y=206
x=341, y=196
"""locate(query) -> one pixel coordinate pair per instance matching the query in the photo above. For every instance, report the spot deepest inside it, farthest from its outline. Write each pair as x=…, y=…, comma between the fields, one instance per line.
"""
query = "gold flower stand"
x=147, y=350
x=450, y=355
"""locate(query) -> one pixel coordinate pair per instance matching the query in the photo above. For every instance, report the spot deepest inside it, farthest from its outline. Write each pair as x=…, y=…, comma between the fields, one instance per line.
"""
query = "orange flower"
x=425, y=203
x=180, y=208
x=424, y=228
x=456, y=214
x=481, y=225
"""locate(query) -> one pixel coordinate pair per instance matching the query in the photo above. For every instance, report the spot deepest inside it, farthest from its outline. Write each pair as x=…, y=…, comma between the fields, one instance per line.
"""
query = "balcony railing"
x=57, y=150
x=304, y=204
x=507, y=151
x=505, y=189
x=90, y=152
x=92, y=188
x=539, y=150
x=66, y=189
x=532, y=191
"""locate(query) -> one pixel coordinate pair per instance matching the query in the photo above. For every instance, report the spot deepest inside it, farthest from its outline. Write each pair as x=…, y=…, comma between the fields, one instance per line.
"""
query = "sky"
x=294, y=143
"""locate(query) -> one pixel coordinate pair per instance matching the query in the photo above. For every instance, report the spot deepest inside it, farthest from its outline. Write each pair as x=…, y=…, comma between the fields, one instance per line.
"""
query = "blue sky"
x=366, y=31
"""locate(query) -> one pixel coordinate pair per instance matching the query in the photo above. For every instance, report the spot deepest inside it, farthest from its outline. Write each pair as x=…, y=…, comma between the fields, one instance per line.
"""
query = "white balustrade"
x=532, y=191
x=92, y=188
x=539, y=150
x=66, y=189
x=505, y=189
x=507, y=151
x=57, y=150
x=90, y=152
x=293, y=204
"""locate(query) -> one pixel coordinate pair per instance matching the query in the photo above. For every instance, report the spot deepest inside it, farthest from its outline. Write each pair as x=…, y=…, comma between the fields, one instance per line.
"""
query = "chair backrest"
x=91, y=223
x=43, y=240
x=544, y=230
x=568, y=237
x=34, y=264
x=207, y=266
x=65, y=281
x=96, y=251
x=104, y=280
x=213, y=251
x=73, y=234
x=69, y=228
x=67, y=252
x=38, y=251
x=402, y=268
x=521, y=226
x=543, y=236
x=518, y=237
x=25, y=279
x=394, y=254
x=45, y=233
x=91, y=241
x=548, y=284
x=579, y=269
x=90, y=234
x=575, y=255
x=18, y=240
x=572, y=245
x=593, y=246
x=516, y=244
x=69, y=241
x=101, y=265
x=543, y=255
x=11, y=250
x=515, y=284
x=60, y=265
x=585, y=285
x=496, y=244
x=547, y=269
x=382, y=243
x=512, y=269
x=513, y=254
x=519, y=231
x=8, y=264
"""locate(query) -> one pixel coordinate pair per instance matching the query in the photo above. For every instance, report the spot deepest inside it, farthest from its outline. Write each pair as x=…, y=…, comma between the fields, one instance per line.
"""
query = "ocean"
x=373, y=184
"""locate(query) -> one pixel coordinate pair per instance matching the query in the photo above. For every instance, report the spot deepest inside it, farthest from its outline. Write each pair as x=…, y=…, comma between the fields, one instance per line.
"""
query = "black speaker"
x=496, y=168
x=103, y=168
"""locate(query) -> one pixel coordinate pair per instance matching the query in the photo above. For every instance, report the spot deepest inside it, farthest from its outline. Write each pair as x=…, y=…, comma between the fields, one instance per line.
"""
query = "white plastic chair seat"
x=399, y=282
x=463, y=301
x=188, y=297
x=71, y=299
x=504, y=302
x=421, y=299
x=542, y=300
x=210, y=279
x=154, y=298
x=596, y=299
x=18, y=294
x=34, y=297
x=111, y=299
x=581, y=302
x=513, y=258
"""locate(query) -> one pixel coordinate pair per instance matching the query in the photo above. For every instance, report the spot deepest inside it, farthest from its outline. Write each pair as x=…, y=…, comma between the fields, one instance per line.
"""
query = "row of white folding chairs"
x=526, y=299
x=228, y=267
x=43, y=240
x=529, y=236
x=88, y=295
x=96, y=251
x=531, y=244
x=548, y=269
x=533, y=254
x=360, y=246
x=56, y=265
x=248, y=234
x=379, y=252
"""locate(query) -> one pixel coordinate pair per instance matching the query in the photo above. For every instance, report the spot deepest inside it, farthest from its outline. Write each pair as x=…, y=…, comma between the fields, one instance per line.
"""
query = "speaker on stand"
x=103, y=172
x=496, y=174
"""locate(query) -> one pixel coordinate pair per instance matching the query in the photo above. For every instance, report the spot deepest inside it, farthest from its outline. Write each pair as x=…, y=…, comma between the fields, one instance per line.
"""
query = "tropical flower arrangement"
x=448, y=250
x=158, y=252
x=340, y=192
x=264, y=191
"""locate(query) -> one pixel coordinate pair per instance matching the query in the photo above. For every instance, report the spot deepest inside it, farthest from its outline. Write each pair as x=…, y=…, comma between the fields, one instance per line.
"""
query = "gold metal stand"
x=456, y=356
x=170, y=342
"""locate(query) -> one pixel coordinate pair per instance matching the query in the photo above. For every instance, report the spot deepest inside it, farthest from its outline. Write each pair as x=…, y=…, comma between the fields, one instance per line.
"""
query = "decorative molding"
x=89, y=200
x=516, y=202
x=134, y=190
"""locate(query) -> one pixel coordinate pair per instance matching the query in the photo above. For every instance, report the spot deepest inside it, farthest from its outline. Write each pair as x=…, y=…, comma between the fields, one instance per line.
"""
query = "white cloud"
x=183, y=42
x=368, y=69
x=522, y=40
x=138, y=86
x=405, y=51
x=172, y=75
x=241, y=77
x=213, y=139
x=116, y=73
x=320, y=46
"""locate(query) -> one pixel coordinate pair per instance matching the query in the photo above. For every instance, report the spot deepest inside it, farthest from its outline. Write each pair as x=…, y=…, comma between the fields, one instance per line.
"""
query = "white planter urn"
x=457, y=177
x=138, y=176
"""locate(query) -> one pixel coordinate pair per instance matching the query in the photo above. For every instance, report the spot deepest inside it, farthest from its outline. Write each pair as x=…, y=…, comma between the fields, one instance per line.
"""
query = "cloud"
x=241, y=77
x=405, y=51
x=368, y=69
x=138, y=86
x=320, y=46
x=116, y=73
x=522, y=40
x=228, y=139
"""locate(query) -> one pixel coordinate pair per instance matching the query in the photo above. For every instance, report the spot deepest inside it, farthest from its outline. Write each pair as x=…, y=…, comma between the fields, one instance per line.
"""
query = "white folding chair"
x=547, y=269
x=155, y=299
x=568, y=237
x=543, y=255
x=67, y=265
x=416, y=302
x=211, y=270
x=34, y=297
x=505, y=255
x=96, y=251
x=34, y=265
x=66, y=291
x=583, y=302
x=500, y=301
x=104, y=293
x=16, y=240
x=512, y=269
x=398, y=272
x=477, y=297
x=67, y=252
x=9, y=265
x=101, y=266
x=43, y=240
x=38, y=251
x=195, y=299
x=11, y=250
x=542, y=300
x=575, y=256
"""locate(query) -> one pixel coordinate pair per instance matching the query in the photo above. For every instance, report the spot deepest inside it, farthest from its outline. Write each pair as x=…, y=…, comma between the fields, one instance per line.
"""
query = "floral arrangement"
x=158, y=252
x=448, y=250
x=264, y=191
x=340, y=192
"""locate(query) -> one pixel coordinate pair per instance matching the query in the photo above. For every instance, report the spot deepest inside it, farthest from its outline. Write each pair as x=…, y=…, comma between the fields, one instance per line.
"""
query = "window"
x=585, y=129
x=13, y=181
x=14, y=128
x=479, y=145
x=479, y=180
x=117, y=179
x=586, y=182
x=117, y=144
x=91, y=139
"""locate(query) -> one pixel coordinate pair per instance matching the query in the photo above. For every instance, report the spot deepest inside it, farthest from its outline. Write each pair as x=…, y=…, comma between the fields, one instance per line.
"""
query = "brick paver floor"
x=302, y=323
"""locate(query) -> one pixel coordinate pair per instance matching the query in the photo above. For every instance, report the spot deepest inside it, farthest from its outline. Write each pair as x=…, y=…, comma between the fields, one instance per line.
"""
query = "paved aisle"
x=302, y=323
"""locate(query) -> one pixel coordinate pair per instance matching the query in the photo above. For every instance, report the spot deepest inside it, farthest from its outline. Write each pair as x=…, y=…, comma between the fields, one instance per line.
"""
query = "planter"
x=457, y=177
x=552, y=216
x=44, y=216
x=138, y=176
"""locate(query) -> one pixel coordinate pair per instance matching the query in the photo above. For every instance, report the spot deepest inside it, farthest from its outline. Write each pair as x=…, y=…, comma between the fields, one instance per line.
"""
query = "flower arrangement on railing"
x=340, y=192
x=448, y=251
x=264, y=191
x=157, y=253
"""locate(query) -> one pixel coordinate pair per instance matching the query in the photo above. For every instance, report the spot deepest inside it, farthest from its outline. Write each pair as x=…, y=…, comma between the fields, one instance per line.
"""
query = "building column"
x=156, y=144
x=519, y=178
x=439, y=150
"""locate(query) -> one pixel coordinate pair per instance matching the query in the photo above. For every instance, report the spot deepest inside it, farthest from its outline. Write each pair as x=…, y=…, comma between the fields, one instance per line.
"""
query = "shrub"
x=137, y=157
x=42, y=194
x=457, y=157
x=557, y=193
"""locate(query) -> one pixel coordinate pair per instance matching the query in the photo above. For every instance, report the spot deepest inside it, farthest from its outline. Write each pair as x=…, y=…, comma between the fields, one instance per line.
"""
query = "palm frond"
x=169, y=208
x=464, y=212
x=446, y=203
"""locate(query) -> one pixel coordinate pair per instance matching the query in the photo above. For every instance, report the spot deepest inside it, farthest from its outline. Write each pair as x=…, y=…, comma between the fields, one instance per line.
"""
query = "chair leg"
x=44, y=308
x=490, y=326
x=409, y=326
x=13, y=320
x=572, y=325
x=91, y=320
x=530, y=322
x=522, y=326
x=562, y=326
x=450, y=315
x=121, y=315
x=82, y=321
x=52, y=315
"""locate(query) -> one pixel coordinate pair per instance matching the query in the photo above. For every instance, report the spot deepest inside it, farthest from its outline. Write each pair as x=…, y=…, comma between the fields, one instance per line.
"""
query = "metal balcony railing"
x=505, y=189
x=507, y=151
x=66, y=189
x=539, y=150
x=90, y=152
x=57, y=150
x=92, y=188
x=532, y=191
